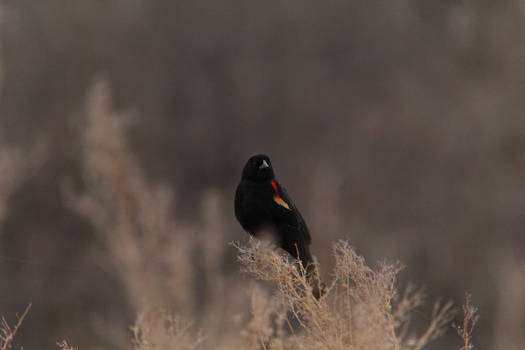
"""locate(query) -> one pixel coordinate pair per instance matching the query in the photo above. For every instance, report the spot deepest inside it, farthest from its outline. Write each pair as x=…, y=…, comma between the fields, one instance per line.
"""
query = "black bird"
x=262, y=205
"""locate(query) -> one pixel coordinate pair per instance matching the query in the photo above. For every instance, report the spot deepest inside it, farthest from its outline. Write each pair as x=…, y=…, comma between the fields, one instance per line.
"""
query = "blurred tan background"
x=398, y=125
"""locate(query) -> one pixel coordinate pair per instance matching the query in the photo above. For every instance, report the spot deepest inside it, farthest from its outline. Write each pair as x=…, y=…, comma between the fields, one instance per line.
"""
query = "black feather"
x=258, y=210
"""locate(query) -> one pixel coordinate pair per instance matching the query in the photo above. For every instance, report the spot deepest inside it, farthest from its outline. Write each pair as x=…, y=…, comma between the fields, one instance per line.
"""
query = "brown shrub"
x=357, y=312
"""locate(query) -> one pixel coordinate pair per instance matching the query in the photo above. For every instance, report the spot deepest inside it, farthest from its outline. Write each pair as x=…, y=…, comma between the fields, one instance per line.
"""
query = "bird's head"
x=258, y=168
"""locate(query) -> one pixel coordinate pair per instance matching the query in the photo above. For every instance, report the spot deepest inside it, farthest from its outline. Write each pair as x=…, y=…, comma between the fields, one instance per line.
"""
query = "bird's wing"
x=298, y=220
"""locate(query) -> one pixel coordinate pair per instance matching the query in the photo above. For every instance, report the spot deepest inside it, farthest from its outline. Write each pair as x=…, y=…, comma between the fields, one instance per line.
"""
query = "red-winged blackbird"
x=262, y=205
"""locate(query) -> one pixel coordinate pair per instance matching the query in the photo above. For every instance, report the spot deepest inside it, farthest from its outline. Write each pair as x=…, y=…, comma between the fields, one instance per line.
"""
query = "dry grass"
x=7, y=332
x=160, y=260
x=131, y=216
x=357, y=312
x=160, y=264
x=63, y=345
x=430, y=175
x=153, y=255
x=470, y=318
x=158, y=330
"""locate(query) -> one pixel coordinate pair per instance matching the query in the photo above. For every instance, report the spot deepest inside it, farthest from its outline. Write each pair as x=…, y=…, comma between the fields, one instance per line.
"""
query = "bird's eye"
x=264, y=164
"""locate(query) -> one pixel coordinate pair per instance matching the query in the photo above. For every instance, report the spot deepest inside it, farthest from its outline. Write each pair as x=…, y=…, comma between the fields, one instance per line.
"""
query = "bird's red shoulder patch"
x=277, y=197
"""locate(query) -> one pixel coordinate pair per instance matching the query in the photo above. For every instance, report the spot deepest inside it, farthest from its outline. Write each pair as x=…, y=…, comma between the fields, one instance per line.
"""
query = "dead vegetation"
x=470, y=318
x=155, y=259
x=357, y=312
x=158, y=330
x=7, y=332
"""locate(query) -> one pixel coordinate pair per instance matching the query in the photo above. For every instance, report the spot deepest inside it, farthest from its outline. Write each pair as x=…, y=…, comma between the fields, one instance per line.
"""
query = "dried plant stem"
x=7, y=334
x=358, y=310
x=63, y=345
x=470, y=318
x=441, y=317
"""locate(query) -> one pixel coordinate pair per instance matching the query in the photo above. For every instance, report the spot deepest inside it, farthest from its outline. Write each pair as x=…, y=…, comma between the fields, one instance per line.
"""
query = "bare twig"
x=470, y=318
x=356, y=312
x=7, y=334
x=63, y=345
x=441, y=317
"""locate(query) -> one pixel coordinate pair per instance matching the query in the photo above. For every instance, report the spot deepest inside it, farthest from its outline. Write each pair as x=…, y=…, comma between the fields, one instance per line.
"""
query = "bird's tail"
x=312, y=273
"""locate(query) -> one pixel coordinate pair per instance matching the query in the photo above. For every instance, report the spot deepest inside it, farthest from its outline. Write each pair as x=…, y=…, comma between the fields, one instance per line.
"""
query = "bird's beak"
x=264, y=164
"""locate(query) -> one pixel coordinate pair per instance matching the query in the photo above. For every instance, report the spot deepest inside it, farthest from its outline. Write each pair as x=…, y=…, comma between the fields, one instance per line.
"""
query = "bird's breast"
x=252, y=208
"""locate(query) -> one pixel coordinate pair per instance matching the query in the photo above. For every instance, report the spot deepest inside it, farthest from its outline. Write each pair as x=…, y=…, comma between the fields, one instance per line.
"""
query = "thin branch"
x=7, y=334
x=470, y=318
